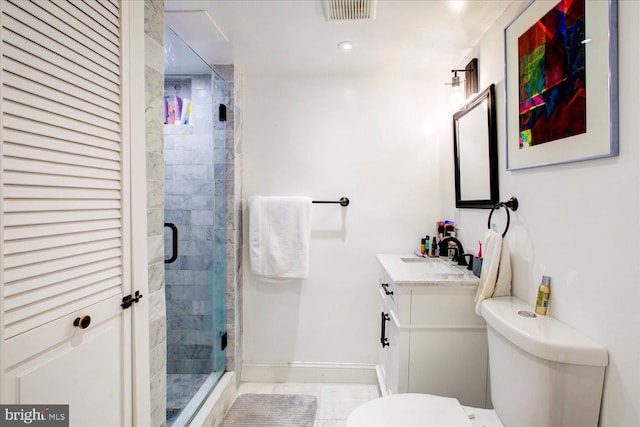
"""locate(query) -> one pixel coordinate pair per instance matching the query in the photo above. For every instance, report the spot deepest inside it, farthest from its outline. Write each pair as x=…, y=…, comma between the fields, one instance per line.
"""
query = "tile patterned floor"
x=335, y=401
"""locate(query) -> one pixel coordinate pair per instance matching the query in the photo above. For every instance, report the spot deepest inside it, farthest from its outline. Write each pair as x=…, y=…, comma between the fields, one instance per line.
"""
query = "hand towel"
x=279, y=236
x=495, y=278
x=503, y=284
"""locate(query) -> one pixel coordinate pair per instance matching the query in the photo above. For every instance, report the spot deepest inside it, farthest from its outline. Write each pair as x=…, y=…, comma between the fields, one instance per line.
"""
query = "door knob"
x=82, y=322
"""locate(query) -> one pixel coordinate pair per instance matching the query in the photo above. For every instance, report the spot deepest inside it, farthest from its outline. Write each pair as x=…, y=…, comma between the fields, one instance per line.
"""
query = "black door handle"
x=174, y=243
x=384, y=341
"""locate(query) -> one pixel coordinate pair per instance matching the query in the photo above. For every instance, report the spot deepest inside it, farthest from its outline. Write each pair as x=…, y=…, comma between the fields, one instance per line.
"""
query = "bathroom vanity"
x=431, y=340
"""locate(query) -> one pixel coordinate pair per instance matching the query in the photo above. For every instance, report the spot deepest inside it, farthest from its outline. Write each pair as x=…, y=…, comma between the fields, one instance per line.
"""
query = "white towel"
x=495, y=278
x=279, y=236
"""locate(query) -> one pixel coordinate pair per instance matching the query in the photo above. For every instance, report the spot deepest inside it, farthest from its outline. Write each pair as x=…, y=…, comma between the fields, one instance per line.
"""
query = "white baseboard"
x=309, y=372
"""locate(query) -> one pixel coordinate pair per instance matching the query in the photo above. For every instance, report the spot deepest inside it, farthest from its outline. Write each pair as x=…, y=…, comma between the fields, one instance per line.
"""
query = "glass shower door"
x=195, y=231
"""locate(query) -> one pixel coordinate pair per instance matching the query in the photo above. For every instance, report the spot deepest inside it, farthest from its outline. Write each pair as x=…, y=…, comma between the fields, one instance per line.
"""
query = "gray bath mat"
x=272, y=410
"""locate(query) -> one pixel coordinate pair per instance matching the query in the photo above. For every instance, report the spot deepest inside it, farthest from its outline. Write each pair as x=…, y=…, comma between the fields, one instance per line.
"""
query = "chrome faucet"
x=459, y=255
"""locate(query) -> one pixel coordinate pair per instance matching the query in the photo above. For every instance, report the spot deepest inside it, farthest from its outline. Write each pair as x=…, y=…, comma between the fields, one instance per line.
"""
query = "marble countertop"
x=410, y=270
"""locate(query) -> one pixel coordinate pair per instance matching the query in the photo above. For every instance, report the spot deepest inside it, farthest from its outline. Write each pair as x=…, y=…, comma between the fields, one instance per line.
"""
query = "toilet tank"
x=542, y=372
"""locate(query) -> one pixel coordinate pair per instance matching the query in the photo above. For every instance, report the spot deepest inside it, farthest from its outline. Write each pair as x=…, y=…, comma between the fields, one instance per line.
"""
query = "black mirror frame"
x=487, y=94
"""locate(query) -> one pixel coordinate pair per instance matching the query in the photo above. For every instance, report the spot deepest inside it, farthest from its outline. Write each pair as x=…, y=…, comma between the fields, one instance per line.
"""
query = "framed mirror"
x=475, y=148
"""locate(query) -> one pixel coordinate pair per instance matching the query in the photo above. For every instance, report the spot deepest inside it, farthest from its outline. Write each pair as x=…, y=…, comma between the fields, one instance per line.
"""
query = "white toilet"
x=542, y=373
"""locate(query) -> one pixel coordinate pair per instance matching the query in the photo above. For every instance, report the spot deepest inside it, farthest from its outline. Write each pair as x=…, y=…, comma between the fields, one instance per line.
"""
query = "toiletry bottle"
x=449, y=228
x=542, y=302
x=426, y=245
x=423, y=247
x=433, y=247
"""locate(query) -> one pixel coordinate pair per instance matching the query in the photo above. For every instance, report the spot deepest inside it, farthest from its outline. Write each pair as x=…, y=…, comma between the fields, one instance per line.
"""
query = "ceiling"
x=293, y=37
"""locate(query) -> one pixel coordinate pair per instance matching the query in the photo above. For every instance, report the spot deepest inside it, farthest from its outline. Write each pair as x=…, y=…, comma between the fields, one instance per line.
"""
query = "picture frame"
x=561, y=83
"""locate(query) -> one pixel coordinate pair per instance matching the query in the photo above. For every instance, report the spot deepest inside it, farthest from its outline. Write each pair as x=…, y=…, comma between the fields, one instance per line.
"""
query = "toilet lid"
x=410, y=409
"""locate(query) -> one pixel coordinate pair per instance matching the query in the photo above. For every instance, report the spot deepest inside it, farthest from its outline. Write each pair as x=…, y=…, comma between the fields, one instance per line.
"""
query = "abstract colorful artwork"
x=552, y=82
x=554, y=51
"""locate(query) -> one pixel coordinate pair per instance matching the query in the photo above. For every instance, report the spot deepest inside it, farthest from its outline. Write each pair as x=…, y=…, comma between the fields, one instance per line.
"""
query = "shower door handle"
x=174, y=243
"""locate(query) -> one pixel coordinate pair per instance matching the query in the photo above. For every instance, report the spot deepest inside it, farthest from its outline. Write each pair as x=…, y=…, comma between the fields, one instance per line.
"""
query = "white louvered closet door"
x=64, y=222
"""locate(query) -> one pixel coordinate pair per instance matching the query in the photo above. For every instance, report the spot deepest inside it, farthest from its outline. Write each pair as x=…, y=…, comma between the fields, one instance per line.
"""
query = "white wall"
x=365, y=137
x=578, y=223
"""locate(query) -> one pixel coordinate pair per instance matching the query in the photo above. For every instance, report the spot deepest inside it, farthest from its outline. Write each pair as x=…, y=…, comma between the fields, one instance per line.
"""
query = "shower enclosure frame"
x=223, y=239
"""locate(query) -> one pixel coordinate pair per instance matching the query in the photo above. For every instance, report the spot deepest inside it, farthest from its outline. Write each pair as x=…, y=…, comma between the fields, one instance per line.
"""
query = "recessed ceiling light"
x=457, y=5
x=346, y=46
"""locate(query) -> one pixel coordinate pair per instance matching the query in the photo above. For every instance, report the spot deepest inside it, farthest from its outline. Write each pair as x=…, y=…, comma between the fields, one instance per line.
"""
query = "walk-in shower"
x=194, y=152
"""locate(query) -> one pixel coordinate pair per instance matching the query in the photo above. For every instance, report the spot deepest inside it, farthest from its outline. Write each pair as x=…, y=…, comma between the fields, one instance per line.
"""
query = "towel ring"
x=512, y=204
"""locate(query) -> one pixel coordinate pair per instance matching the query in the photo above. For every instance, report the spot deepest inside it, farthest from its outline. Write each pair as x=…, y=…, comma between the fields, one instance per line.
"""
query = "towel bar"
x=343, y=201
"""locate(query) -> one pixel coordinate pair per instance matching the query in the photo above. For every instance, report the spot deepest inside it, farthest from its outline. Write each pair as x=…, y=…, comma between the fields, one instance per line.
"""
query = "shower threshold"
x=179, y=388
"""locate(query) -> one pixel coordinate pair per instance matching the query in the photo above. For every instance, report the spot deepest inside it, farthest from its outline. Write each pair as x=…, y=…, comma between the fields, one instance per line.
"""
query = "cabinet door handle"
x=385, y=286
x=384, y=317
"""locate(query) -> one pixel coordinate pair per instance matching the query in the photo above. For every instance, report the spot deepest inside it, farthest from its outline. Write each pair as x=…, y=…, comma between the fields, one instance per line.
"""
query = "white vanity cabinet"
x=431, y=340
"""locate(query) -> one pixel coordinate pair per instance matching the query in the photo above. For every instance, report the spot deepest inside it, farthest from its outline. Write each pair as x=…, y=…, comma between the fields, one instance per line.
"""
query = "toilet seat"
x=410, y=409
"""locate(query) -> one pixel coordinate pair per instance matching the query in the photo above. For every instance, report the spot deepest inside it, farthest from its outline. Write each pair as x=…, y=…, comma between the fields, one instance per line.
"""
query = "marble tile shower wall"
x=238, y=108
x=191, y=178
x=233, y=191
x=154, y=71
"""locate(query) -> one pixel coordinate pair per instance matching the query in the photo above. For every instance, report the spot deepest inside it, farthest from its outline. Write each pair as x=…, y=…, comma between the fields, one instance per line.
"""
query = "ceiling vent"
x=349, y=10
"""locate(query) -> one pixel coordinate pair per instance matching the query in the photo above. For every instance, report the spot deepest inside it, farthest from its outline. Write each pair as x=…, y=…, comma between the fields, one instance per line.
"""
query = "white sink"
x=432, y=265
x=411, y=270
x=416, y=259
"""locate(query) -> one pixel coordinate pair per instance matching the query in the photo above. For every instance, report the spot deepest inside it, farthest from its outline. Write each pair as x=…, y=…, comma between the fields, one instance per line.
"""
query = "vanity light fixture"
x=346, y=46
x=458, y=97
